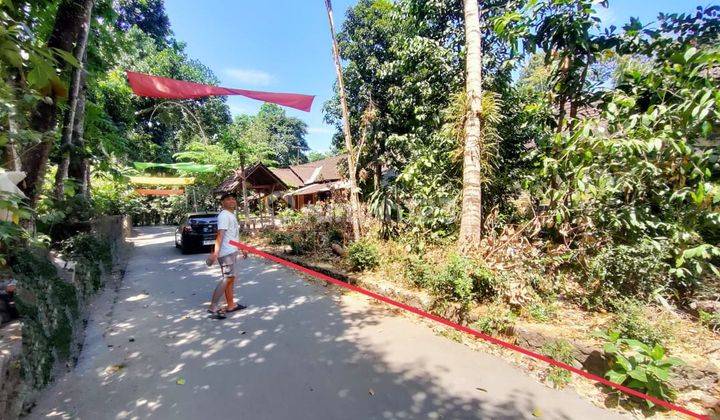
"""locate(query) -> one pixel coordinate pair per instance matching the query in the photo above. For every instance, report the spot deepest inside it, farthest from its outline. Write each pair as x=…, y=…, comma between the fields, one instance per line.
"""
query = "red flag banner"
x=162, y=87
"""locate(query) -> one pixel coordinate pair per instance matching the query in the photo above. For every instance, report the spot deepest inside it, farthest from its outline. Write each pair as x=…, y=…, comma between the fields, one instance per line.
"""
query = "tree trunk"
x=85, y=173
x=471, y=216
x=76, y=86
x=246, y=207
x=377, y=174
x=79, y=163
x=352, y=172
x=69, y=21
x=12, y=159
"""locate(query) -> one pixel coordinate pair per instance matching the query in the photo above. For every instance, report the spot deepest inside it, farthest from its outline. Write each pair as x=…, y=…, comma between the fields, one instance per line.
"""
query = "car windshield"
x=203, y=218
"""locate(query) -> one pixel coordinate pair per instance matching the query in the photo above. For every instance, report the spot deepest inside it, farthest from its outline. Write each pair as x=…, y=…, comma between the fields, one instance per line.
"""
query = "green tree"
x=66, y=29
x=644, y=170
x=147, y=15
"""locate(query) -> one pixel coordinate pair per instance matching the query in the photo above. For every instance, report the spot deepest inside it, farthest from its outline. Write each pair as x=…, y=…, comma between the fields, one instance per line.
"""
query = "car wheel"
x=184, y=248
x=5, y=313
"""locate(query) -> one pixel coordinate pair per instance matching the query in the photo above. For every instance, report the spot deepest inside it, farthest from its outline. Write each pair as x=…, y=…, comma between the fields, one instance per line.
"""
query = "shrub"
x=486, y=284
x=289, y=216
x=561, y=351
x=334, y=235
x=623, y=270
x=454, y=280
x=87, y=246
x=497, y=319
x=363, y=255
x=278, y=237
x=301, y=243
x=418, y=272
x=631, y=321
x=639, y=366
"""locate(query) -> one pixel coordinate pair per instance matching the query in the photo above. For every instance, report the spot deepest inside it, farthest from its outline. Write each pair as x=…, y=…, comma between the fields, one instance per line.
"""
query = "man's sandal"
x=238, y=307
x=218, y=315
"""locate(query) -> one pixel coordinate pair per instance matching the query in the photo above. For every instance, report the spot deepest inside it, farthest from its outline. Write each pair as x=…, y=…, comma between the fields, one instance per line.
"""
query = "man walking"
x=226, y=254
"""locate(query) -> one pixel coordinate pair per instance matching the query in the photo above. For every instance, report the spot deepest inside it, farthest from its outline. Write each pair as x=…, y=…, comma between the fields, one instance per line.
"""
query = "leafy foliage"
x=641, y=367
x=632, y=320
x=363, y=255
x=88, y=247
x=622, y=270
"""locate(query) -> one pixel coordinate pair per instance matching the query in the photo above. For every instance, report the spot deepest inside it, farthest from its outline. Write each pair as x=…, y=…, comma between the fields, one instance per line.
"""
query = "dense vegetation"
x=598, y=157
x=603, y=150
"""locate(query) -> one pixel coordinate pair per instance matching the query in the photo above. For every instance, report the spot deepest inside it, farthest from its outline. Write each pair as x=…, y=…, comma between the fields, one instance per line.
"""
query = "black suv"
x=196, y=231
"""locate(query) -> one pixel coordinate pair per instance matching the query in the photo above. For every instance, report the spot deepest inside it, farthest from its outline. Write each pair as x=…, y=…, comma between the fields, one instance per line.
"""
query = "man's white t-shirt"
x=228, y=222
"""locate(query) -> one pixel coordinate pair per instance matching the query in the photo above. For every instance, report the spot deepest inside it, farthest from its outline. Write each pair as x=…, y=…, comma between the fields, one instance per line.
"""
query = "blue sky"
x=284, y=45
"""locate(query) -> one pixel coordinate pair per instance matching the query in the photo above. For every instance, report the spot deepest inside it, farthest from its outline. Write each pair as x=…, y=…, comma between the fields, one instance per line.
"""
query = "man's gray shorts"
x=228, y=264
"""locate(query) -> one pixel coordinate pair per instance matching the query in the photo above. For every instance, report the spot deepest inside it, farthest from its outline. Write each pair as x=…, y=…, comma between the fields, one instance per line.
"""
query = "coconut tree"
x=471, y=216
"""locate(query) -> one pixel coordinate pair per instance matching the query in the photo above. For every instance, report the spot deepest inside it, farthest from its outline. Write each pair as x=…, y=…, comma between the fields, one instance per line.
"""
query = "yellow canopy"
x=155, y=180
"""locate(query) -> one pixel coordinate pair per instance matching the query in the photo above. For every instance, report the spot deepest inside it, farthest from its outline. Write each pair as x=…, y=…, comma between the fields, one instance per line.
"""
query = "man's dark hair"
x=226, y=195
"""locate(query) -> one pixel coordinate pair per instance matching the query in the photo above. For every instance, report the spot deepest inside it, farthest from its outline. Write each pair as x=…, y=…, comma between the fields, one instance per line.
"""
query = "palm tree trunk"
x=352, y=172
x=471, y=216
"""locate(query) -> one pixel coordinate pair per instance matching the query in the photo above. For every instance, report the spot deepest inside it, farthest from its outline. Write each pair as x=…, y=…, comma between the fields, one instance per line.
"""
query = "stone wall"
x=52, y=296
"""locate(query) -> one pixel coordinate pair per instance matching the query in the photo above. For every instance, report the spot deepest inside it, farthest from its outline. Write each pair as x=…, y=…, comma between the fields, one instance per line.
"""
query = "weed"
x=453, y=281
x=418, y=272
x=710, y=320
x=542, y=311
x=451, y=334
x=632, y=321
x=497, y=319
x=561, y=351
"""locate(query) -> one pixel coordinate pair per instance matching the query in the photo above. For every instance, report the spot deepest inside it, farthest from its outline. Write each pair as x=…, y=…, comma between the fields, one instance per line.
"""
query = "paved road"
x=300, y=351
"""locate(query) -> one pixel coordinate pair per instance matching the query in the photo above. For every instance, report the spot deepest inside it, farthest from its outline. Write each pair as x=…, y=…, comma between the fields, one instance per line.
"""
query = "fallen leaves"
x=113, y=369
x=180, y=381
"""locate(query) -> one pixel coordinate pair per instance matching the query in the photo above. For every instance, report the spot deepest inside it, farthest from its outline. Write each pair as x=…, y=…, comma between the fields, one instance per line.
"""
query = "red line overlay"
x=470, y=331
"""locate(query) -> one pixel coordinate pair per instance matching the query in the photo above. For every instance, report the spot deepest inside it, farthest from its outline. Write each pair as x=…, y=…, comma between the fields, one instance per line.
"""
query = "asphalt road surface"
x=300, y=351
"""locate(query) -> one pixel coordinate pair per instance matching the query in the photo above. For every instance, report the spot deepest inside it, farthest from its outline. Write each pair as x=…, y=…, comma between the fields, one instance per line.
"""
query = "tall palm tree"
x=471, y=216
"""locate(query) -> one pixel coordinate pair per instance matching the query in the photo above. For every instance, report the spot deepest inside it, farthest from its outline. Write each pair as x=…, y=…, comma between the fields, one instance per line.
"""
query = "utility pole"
x=354, y=200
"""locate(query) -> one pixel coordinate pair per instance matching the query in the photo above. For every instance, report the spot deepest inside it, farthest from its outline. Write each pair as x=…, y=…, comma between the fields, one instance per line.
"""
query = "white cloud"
x=236, y=109
x=606, y=15
x=250, y=76
x=321, y=130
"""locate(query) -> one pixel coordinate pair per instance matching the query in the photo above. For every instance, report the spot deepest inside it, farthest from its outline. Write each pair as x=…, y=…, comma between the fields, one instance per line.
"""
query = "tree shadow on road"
x=297, y=352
